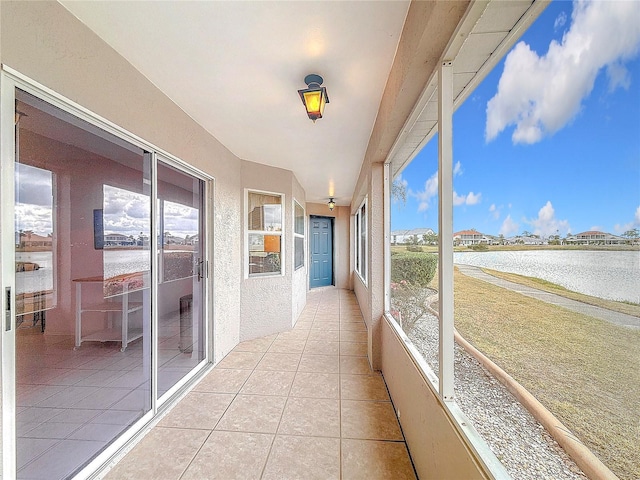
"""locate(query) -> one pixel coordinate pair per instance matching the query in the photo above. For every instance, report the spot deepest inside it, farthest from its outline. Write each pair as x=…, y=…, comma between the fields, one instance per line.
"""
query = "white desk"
x=116, y=304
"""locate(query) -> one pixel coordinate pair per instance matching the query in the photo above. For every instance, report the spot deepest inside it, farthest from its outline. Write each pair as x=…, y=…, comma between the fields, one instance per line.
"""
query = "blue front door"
x=321, y=252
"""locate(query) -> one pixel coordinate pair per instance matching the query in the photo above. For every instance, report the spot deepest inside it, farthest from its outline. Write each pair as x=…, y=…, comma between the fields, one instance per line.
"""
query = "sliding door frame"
x=10, y=80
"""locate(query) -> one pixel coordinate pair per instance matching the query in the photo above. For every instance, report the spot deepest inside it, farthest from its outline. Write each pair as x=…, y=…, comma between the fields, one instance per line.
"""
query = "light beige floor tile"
x=198, y=410
x=353, y=326
x=279, y=361
x=223, y=380
x=369, y=420
x=294, y=335
x=230, y=456
x=353, y=349
x=303, y=325
x=314, y=417
x=308, y=458
x=327, y=318
x=319, y=363
x=266, y=382
x=324, y=335
x=243, y=360
x=287, y=346
x=316, y=385
x=163, y=454
x=321, y=347
x=261, y=344
x=325, y=326
x=253, y=413
x=351, y=336
x=355, y=366
x=375, y=460
x=363, y=387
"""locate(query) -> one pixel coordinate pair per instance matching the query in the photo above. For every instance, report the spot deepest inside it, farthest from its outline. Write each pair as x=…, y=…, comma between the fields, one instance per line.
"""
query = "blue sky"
x=551, y=142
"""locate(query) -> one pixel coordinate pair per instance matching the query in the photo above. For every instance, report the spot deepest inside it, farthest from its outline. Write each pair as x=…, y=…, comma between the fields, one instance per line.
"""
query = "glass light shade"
x=314, y=100
x=332, y=204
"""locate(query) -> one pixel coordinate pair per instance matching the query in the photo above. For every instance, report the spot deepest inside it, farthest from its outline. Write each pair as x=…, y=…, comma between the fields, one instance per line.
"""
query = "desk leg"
x=125, y=319
x=78, y=314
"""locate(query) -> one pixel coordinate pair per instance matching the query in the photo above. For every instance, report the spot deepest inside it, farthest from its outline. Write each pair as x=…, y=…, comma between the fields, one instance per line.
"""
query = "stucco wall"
x=267, y=301
x=45, y=42
x=341, y=236
x=436, y=448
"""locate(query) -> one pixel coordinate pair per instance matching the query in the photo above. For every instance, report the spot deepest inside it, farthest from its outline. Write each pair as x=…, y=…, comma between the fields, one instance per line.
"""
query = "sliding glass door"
x=182, y=272
x=105, y=300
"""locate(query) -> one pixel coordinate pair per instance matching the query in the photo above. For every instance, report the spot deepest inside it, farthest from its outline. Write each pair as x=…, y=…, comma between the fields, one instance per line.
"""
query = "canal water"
x=614, y=275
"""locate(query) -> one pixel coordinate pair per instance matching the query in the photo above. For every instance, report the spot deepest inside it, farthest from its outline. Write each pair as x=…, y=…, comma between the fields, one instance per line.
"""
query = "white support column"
x=387, y=236
x=445, y=228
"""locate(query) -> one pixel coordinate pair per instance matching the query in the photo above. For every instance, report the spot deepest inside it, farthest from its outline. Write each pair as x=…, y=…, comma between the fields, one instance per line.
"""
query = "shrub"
x=415, y=268
x=414, y=248
x=480, y=247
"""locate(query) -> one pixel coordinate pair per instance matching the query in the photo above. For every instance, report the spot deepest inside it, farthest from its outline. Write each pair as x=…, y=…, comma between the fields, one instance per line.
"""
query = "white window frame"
x=360, y=230
x=298, y=235
x=247, y=232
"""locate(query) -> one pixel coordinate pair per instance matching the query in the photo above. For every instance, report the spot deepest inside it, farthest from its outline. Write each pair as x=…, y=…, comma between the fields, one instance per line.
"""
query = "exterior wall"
x=436, y=448
x=266, y=302
x=43, y=41
x=341, y=238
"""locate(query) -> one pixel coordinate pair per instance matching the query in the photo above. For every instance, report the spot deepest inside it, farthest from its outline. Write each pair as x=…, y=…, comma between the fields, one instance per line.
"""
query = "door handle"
x=7, y=313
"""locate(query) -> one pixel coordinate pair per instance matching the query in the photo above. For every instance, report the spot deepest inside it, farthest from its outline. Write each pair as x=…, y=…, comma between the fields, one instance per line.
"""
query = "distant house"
x=399, y=237
x=29, y=239
x=525, y=240
x=118, y=240
x=594, y=237
x=471, y=237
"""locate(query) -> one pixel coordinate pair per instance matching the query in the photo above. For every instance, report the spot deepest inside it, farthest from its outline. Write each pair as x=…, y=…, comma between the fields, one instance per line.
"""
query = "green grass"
x=586, y=371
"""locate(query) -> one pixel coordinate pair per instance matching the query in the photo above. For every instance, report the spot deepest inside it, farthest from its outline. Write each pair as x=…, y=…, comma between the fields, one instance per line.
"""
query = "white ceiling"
x=235, y=68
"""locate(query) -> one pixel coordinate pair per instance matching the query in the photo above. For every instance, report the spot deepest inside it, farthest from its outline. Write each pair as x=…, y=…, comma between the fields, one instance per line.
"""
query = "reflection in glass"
x=181, y=274
x=83, y=370
x=265, y=233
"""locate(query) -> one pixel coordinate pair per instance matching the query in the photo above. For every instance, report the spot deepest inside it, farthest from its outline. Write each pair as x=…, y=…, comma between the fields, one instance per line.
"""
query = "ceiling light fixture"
x=332, y=204
x=314, y=97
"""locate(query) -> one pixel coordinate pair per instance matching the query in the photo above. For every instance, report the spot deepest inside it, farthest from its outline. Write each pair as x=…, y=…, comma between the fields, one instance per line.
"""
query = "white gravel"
x=524, y=447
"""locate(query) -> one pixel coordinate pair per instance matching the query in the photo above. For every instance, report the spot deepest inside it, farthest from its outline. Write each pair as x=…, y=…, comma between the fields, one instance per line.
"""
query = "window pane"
x=265, y=212
x=264, y=253
x=299, y=219
x=299, y=252
x=99, y=330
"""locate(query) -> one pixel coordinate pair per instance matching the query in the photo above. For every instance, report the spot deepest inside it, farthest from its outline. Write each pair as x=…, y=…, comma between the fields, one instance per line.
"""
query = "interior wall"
x=43, y=41
x=436, y=448
x=341, y=236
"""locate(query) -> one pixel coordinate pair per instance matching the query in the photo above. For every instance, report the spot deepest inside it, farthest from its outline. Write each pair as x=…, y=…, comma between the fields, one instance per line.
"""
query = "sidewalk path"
x=591, y=310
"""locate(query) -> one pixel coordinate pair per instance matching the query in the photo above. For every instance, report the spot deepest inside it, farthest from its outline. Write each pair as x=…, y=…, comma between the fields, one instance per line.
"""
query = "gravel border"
x=520, y=442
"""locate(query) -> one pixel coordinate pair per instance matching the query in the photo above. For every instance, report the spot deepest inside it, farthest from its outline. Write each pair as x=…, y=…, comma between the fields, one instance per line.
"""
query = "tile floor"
x=302, y=404
x=72, y=403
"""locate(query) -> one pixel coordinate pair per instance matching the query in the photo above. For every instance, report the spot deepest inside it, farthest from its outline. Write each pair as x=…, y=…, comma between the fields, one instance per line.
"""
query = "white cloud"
x=541, y=94
x=431, y=190
x=635, y=223
x=547, y=224
x=469, y=199
x=509, y=227
x=560, y=20
x=596, y=228
x=424, y=196
x=495, y=211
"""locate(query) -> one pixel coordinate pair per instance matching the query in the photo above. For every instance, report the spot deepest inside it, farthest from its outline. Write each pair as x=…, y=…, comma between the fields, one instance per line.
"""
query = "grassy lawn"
x=586, y=371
